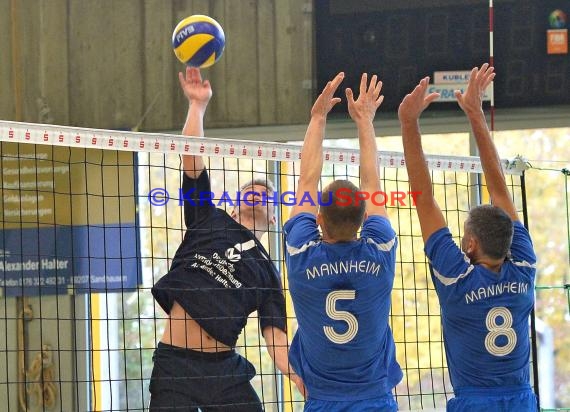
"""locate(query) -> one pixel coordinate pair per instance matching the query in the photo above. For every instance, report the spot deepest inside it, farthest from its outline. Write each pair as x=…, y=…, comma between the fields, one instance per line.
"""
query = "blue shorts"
x=503, y=399
x=385, y=403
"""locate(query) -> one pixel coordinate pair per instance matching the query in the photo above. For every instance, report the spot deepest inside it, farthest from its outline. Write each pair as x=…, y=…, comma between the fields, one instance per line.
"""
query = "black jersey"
x=221, y=273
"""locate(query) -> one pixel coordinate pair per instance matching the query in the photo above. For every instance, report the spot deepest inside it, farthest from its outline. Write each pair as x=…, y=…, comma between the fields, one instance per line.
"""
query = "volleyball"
x=198, y=41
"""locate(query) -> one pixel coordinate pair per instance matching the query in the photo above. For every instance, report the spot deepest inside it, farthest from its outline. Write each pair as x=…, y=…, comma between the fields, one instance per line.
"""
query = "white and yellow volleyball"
x=198, y=41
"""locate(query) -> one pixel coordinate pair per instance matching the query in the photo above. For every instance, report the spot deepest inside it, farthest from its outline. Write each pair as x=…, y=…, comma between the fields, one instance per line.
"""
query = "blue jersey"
x=485, y=315
x=343, y=348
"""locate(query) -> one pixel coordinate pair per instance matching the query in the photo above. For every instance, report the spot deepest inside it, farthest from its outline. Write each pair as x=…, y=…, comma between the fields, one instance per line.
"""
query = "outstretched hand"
x=416, y=102
x=325, y=102
x=369, y=99
x=471, y=100
x=296, y=379
x=195, y=89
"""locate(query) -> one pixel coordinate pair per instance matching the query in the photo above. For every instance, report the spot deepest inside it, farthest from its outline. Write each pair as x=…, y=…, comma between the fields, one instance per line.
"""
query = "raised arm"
x=278, y=348
x=312, y=151
x=362, y=111
x=198, y=92
x=429, y=213
x=471, y=103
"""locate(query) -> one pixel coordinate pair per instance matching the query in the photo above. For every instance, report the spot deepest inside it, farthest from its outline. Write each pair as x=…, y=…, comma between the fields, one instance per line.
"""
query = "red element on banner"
x=557, y=41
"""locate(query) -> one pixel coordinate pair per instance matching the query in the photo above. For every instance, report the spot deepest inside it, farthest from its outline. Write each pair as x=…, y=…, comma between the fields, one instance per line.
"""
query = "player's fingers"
x=334, y=83
x=422, y=86
x=363, y=81
x=198, y=75
x=349, y=96
x=482, y=75
x=326, y=89
x=379, y=100
x=489, y=74
x=488, y=81
x=378, y=88
x=473, y=76
x=338, y=79
x=192, y=74
x=416, y=91
x=373, y=82
x=458, y=96
x=432, y=97
x=335, y=101
x=181, y=79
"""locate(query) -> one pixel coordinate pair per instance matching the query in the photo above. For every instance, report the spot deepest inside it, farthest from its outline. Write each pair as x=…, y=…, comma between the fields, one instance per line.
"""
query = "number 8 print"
x=500, y=330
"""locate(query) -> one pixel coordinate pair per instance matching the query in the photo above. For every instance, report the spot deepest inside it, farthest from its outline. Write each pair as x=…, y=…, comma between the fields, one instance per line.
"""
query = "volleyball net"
x=90, y=220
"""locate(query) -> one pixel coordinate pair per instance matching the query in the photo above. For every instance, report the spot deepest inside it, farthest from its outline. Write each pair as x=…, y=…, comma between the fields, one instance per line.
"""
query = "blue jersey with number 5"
x=485, y=315
x=343, y=348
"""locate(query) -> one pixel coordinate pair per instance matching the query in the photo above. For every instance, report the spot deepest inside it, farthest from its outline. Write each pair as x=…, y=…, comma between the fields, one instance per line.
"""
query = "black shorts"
x=185, y=380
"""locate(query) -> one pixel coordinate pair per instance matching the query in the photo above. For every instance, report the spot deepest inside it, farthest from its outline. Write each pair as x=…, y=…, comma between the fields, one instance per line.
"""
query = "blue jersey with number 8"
x=485, y=315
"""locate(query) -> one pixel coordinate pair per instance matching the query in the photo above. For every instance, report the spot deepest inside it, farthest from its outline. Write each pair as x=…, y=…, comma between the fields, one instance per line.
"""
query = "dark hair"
x=493, y=228
x=341, y=210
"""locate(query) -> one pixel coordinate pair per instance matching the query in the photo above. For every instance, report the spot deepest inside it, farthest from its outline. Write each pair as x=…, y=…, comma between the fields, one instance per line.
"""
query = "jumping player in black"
x=220, y=274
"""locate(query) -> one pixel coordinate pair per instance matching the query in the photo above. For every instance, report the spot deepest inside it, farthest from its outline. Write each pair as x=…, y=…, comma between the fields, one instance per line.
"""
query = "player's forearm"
x=281, y=360
x=278, y=348
x=490, y=160
x=369, y=175
x=312, y=152
x=194, y=126
x=418, y=172
x=429, y=214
